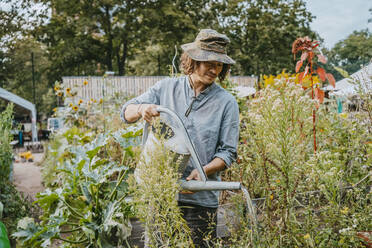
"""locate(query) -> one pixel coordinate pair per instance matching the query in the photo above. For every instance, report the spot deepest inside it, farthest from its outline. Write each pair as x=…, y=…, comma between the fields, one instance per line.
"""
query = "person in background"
x=210, y=115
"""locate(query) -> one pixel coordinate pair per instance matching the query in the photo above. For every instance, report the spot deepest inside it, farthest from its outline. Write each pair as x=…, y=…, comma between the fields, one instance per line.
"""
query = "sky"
x=336, y=19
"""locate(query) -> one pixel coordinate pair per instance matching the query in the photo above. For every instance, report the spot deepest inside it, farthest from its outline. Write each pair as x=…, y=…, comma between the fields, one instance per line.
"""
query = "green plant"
x=303, y=195
x=6, y=154
x=308, y=49
x=87, y=208
x=155, y=187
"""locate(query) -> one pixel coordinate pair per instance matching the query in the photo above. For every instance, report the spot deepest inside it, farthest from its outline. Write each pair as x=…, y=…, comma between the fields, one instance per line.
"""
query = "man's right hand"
x=133, y=112
x=148, y=111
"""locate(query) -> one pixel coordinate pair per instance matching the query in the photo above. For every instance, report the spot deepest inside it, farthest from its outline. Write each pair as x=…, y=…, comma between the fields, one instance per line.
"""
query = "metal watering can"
x=178, y=141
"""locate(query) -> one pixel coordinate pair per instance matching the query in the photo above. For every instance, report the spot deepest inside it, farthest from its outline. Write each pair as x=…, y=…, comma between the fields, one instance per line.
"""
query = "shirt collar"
x=204, y=92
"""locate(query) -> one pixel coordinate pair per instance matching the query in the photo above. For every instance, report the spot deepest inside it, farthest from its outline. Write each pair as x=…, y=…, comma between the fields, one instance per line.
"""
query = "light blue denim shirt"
x=213, y=125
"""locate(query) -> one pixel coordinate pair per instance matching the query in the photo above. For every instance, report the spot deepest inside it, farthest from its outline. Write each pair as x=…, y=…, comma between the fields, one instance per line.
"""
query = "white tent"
x=25, y=104
x=347, y=87
x=244, y=91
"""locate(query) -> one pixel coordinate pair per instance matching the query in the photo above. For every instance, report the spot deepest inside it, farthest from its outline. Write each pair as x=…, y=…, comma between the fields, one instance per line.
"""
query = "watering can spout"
x=194, y=185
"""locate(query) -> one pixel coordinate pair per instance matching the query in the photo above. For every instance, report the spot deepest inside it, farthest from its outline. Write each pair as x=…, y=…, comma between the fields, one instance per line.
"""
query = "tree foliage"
x=16, y=71
x=262, y=32
x=351, y=53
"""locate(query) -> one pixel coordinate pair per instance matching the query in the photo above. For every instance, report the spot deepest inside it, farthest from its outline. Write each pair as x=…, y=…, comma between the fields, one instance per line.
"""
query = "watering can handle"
x=190, y=146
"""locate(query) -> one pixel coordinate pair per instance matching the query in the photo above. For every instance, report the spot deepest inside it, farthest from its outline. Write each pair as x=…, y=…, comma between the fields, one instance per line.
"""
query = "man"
x=210, y=115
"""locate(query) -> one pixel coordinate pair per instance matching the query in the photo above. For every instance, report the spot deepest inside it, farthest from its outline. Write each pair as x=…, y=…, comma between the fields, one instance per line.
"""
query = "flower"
x=70, y=104
x=75, y=108
x=59, y=93
x=56, y=88
x=85, y=82
x=306, y=236
x=277, y=181
x=55, y=109
x=271, y=196
x=345, y=210
x=68, y=90
x=343, y=115
x=80, y=101
x=100, y=101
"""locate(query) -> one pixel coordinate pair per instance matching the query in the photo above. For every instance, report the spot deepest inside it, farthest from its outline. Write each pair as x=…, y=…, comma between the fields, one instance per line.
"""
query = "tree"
x=262, y=32
x=16, y=72
x=171, y=25
x=351, y=53
x=82, y=34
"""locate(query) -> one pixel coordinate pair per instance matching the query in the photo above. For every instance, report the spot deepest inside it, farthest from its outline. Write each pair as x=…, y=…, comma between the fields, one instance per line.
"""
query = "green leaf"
x=342, y=72
x=48, y=198
x=92, y=153
x=4, y=241
x=86, y=192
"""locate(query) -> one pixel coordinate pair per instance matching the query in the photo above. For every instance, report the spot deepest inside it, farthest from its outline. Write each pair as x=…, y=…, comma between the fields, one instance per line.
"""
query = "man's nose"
x=213, y=69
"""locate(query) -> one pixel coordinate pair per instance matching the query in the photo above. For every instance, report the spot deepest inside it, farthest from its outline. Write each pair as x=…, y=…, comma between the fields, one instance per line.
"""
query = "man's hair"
x=188, y=66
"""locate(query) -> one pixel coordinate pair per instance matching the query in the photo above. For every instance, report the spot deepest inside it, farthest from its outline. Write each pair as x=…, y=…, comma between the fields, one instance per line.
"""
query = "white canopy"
x=345, y=87
x=25, y=104
x=243, y=91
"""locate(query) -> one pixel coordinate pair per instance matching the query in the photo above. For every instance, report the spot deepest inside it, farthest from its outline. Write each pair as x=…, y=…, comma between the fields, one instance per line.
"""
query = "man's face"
x=208, y=71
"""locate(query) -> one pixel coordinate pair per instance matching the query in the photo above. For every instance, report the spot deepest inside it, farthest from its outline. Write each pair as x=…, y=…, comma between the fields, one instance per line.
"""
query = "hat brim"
x=199, y=54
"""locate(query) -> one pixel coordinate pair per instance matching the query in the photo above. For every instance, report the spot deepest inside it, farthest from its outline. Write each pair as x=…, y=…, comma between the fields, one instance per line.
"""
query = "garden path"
x=27, y=176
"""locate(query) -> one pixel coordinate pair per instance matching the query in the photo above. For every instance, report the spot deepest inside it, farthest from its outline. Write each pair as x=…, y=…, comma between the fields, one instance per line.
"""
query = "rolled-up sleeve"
x=229, y=134
x=151, y=96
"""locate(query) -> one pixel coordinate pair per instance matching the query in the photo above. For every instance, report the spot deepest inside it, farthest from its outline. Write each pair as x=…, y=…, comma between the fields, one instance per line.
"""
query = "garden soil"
x=27, y=176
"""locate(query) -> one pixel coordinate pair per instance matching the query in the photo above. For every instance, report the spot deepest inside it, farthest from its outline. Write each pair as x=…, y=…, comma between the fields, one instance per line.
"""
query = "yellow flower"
x=345, y=210
x=70, y=104
x=85, y=82
x=80, y=101
x=315, y=80
x=56, y=88
x=55, y=109
x=271, y=196
x=343, y=115
x=75, y=108
x=100, y=101
x=306, y=236
x=59, y=93
x=68, y=90
x=82, y=198
x=277, y=181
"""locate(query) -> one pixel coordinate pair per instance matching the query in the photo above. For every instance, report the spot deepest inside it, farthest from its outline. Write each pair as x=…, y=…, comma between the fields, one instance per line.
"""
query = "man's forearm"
x=132, y=112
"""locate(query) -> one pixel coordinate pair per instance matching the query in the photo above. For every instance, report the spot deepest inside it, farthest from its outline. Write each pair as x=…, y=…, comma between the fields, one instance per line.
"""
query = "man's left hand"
x=194, y=175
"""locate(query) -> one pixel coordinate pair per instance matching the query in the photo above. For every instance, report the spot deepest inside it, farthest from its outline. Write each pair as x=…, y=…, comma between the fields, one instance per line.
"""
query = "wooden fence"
x=98, y=87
